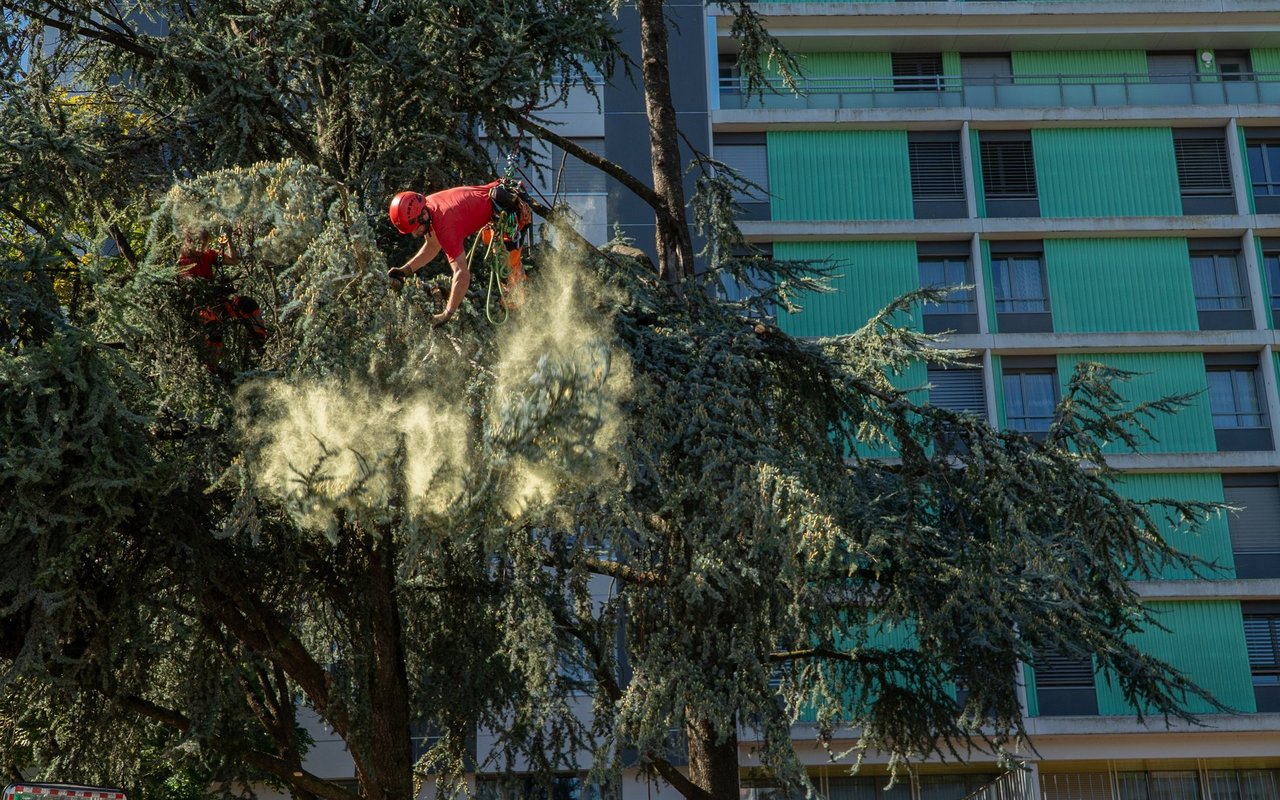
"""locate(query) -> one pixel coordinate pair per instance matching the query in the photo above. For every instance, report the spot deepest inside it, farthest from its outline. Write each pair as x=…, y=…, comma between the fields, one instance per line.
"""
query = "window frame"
x=925, y=149
x=959, y=313
x=1242, y=382
x=1010, y=187
x=1200, y=191
x=1264, y=146
x=1067, y=695
x=1264, y=675
x=917, y=72
x=1019, y=369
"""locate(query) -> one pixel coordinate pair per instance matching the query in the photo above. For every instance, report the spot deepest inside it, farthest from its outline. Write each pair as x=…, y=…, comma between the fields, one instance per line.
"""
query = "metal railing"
x=1022, y=91
x=1013, y=785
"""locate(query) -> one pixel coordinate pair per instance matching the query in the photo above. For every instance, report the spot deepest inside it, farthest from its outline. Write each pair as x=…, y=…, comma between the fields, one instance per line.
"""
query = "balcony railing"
x=1030, y=91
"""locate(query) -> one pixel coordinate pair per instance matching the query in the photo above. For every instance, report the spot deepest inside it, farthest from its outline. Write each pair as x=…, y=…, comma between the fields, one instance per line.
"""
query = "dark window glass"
x=1233, y=398
x=1029, y=400
x=1272, y=263
x=1264, y=167
x=1019, y=284
x=1234, y=65
x=1216, y=280
x=948, y=271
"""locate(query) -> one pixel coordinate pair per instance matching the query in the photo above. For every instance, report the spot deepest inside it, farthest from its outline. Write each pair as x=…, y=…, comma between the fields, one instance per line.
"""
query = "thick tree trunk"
x=675, y=246
x=385, y=770
x=713, y=764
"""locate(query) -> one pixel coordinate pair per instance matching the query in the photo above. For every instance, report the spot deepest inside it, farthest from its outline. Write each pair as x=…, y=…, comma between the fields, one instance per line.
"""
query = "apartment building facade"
x=1104, y=174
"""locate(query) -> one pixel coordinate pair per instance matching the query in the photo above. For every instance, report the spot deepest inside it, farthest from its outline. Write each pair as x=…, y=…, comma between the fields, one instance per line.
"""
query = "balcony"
x=1031, y=91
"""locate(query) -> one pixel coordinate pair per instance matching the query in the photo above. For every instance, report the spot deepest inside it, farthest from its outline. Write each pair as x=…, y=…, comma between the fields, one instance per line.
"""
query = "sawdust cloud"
x=335, y=444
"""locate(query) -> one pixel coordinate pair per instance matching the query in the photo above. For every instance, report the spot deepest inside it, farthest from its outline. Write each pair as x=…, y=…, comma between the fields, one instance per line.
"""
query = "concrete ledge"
x=1235, y=589
x=830, y=118
x=1010, y=228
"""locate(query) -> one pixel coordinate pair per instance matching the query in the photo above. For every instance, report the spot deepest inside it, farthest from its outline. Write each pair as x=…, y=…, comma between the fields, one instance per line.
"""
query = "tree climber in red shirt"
x=445, y=219
x=213, y=296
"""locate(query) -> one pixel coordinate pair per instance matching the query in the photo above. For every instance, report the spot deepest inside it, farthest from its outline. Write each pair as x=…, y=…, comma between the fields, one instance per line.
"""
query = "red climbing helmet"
x=407, y=210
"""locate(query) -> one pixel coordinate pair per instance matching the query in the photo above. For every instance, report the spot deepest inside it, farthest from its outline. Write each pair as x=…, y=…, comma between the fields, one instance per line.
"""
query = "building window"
x=1204, y=171
x=567, y=175
x=748, y=154
x=729, y=75
x=1222, y=296
x=1163, y=785
x=1239, y=416
x=944, y=264
x=986, y=69
x=1172, y=67
x=1234, y=65
x=1233, y=395
x=1263, y=156
x=1262, y=639
x=1020, y=287
x=1008, y=174
x=959, y=388
x=937, y=174
x=917, y=72
x=1255, y=527
x=1030, y=393
x=1064, y=685
x=1271, y=263
x=526, y=787
x=1244, y=784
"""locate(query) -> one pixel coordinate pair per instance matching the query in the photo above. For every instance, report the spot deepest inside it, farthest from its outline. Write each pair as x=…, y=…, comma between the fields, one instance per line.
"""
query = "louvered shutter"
x=1008, y=170
x=1262, y=640
x=917, y=71
x=936, y=172
x=1203, y=167
x=568, y=175
x=1256, y=528
x=958, y=390
x=1077, y=786
x=1056, y=670
x=752, y=163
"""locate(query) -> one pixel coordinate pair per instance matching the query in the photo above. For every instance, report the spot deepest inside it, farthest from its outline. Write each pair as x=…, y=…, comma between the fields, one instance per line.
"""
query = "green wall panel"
x=1266, y=59
x=839, y=175
x=870, y=275
x=1205, y=641
x=1029, y=681
x=1212, y=543
x=1158, y=375
x=845, y=65
x=1103, y=285
x=951, y=68
x=1082, y=63
x=1106, y=172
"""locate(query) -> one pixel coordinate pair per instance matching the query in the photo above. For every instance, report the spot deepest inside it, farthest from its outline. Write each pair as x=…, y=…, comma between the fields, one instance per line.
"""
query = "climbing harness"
x=504, y=239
